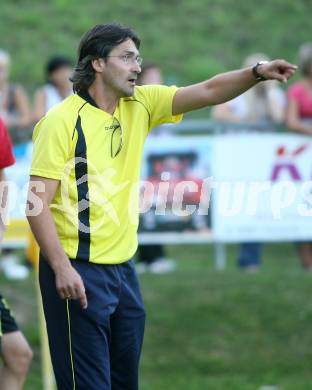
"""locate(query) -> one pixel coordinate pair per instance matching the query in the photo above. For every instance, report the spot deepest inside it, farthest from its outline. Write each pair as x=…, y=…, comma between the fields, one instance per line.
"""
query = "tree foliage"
x=190, y=39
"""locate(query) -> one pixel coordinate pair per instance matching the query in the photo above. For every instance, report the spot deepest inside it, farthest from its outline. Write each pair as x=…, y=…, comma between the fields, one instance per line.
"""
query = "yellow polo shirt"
x=96, y=208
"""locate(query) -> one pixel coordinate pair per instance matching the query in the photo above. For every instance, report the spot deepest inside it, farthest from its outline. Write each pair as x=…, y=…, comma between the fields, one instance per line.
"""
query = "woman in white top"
x=265, y=103
x=14, y=104
x=58, y=87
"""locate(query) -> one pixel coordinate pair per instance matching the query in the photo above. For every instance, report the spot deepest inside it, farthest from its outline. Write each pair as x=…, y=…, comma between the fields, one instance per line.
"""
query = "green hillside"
x=191, y=40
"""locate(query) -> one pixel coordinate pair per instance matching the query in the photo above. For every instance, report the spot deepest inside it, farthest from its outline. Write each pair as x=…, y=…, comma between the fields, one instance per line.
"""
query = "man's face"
x=60, y=77
x=121, y=69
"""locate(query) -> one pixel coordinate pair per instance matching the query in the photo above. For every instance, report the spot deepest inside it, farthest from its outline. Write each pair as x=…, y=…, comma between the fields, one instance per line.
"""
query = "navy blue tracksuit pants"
x=97, y=348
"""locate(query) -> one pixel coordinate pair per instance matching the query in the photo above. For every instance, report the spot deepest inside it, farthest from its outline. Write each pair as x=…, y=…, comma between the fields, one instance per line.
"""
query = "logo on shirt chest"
x=110, y=127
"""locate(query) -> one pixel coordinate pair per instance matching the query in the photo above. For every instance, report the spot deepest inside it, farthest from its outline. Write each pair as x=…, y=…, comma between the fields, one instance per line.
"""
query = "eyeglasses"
x=130, y=59
x=116, y=138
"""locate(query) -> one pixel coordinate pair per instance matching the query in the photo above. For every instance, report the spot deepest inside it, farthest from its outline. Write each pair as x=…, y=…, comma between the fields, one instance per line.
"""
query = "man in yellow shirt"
x=83, y=202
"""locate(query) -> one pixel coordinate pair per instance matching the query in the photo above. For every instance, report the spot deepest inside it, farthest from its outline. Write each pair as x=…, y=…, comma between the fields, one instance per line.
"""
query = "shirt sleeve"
x=52, y=144
x=159, y=99
x=6, y=149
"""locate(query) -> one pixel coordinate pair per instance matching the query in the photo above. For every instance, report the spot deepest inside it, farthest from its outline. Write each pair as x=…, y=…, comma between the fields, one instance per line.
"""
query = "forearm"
x=44, y=230
x=299, y=126
x=15, y=121
x=219, y=89
x=226, y=86
x=68, y=282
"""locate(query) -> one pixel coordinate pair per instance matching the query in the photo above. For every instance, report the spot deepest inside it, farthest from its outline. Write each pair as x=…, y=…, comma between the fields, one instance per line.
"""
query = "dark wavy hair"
x=55, y=63
x=98, y=43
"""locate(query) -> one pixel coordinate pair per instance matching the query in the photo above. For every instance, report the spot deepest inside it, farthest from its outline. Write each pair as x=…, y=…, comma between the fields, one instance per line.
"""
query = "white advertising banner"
x=261, y=187
x=228, y=188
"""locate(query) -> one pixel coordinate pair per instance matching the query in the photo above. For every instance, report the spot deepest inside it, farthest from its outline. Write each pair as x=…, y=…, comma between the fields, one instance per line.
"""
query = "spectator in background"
x=15, y=113
x=14, y=104
x=299, y=118
x=58, y=87
x=15, y=350
x=260, y=106
x=152, y=257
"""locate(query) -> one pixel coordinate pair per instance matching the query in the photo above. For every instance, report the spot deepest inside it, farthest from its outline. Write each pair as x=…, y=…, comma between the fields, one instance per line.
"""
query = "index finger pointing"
x=291, y=66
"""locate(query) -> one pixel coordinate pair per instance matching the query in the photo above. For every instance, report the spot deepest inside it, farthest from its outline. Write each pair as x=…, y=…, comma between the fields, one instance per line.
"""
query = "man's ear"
x=98, y=65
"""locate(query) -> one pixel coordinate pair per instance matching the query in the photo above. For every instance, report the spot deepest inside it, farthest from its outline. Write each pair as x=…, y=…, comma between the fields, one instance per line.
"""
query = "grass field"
x=213, y=330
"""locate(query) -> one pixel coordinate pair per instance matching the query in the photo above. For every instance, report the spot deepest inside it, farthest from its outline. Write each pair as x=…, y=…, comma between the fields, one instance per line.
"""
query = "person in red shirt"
x=299, y=113
x=299, y=118
x=6, y=154
x=15, y=350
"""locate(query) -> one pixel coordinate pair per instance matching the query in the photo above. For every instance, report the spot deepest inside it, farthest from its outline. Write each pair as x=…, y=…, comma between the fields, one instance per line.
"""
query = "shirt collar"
x=86, y=96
